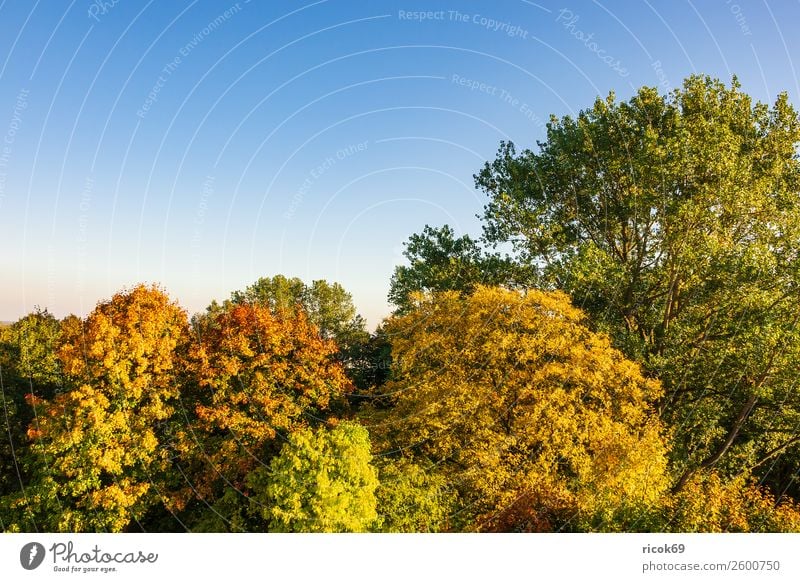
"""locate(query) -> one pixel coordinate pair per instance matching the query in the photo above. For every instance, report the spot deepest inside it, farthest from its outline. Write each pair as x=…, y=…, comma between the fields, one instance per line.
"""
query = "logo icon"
x=31, y=555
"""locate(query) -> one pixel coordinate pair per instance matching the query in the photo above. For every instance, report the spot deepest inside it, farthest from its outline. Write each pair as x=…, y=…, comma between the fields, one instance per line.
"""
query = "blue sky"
x=202, y=145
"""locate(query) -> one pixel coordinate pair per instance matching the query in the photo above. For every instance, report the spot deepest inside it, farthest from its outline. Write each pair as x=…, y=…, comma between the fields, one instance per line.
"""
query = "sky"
x=201, y=145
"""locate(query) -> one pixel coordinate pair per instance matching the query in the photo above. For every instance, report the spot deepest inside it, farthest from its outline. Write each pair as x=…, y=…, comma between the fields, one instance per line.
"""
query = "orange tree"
x=536, y=421
x=328, y=306
x=255, y=378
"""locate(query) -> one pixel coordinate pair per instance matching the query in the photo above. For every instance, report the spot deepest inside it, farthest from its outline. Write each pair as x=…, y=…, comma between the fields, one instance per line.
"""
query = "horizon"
x=202, y=147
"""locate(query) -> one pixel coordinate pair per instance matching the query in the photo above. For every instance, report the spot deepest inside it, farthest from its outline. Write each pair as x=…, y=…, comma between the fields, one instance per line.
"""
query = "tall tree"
x=674, y=221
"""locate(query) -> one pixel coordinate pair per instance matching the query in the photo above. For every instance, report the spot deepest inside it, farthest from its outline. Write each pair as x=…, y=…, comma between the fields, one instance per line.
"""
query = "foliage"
x=440, y=262
x=28, y=365
x=97, y=446
x=29, y=350
x=328, y=306
x=412, y=499
x=631, y=365
x=256, y=378
x=322, y=481
x=512, y=396
x=674, y=221
x=710, y=504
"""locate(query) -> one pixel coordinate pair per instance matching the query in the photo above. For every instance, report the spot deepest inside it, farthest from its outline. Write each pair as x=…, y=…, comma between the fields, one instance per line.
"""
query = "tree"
x=328, y=306
x=255, y=379
x=674, y=221
x=322, y=481
x=97, y=446
x=369, y=369
x=512, y=398
x=438, y=261
x=30, y=347
x=28, y=365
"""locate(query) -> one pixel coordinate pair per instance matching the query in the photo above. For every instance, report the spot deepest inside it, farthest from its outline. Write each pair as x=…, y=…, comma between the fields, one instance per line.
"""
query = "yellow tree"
x=538, y=422
x=257, y=378
x=98, y=445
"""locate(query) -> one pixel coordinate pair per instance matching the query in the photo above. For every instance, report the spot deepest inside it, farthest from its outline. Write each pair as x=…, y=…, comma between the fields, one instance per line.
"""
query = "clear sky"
x=202, y=145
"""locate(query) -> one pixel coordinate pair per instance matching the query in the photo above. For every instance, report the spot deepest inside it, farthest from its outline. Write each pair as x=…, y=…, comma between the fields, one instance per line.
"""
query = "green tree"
x=327, y=305
x=28, y=366
x=30, y=349
x=322, y=481
x=370, y=368
x=412, y=499
x=674, y=221
x=438, y=261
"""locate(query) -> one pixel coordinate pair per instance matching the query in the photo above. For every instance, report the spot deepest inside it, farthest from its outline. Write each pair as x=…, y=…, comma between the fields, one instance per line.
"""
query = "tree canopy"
x=322, y=481
x=254, y=379
x=438, y=261
x=512, y=397
x=327, y=305
x=96, y=447
x=674, y=221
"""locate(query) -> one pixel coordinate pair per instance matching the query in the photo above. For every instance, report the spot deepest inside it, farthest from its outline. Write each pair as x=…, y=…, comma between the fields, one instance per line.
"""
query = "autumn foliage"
x=253, y=379
x=97, y=445
x=503, y=411
x=519, y=403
